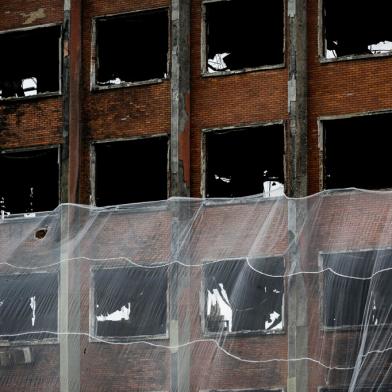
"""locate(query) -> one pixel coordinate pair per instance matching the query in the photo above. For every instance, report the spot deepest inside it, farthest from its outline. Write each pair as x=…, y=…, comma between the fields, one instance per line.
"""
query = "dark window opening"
x=30, y=181
x=238, y=298
x=245, y=162
x=28, y=305
x=244, y=34
x=359, y=301
x=130, y=302
x=30, y=62
x=131, y=171
x=356, y=28
x=132, y=47
x=357, y=152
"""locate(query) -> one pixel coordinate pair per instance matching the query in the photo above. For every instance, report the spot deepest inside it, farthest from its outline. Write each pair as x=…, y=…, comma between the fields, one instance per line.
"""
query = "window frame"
x=241, y=333
x=238, y=128
x=32, y=342
x=321, y=141
x=322, y=43
x=203, y=47
x=94, y=86
x=94, y=337
x=60, y=54
x=356, y=327
x=37, y=149
x=93, y=160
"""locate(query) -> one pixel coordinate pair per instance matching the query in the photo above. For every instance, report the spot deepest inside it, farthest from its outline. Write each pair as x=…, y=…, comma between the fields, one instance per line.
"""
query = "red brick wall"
x=21, y=13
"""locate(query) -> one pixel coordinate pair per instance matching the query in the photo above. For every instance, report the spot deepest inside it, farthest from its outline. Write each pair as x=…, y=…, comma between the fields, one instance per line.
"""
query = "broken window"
x=132, y=47
x=130, y=302
x=28, y=305
x=244, y=34
x=240, y=298
x=241, y=162
x=356, y=28
x=361, y=300
x=30, y=181
x=30, y=62
x=356, y=152
x=131, y=171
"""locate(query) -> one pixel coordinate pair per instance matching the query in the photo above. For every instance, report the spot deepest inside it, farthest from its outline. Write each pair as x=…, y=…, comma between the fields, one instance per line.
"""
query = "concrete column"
x=297, y=187
x=180, y=98
x=180, y=281
x=297, y=98
x=179, y=182
x=297, y=330
x=70, y=164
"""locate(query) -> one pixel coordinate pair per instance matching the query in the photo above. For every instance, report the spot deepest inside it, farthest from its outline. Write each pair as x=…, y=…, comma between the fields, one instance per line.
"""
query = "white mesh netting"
x=200, y=295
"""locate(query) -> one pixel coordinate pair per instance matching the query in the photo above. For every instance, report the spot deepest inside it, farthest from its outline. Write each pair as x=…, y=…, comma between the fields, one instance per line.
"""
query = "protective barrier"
x=251, y=294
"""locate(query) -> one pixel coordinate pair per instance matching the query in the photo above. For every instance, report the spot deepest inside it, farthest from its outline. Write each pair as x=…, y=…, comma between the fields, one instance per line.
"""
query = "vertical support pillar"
x=180, y=281
x=180, y=98
x=297, y=302
x=69, y=193
x=179, y=184
x=297, y=98
x=297, y=187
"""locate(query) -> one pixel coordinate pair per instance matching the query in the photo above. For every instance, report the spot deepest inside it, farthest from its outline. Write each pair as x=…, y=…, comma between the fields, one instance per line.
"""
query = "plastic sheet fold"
x=248, y=294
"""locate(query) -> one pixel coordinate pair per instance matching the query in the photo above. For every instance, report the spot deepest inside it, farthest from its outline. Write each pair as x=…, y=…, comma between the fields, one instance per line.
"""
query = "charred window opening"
x=238, y=298
x=242, y=162
x=30, y=181
x=360, y=301
x=131, y=171
x=356, y=28
x=356, y=152
x=232, y=29
x=130, y=302
x=28, y=305
x=30, y=62
x=132, y=48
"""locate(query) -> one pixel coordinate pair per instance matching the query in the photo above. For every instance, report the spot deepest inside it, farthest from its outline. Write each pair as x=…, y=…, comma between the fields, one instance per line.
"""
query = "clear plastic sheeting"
x=248, y=294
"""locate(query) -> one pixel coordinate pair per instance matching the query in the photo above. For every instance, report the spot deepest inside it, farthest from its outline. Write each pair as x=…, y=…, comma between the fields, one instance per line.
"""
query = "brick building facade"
x=205, y=98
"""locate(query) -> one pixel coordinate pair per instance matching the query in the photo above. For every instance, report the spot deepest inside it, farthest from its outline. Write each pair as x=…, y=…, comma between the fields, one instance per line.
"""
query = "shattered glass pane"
x=218, y=63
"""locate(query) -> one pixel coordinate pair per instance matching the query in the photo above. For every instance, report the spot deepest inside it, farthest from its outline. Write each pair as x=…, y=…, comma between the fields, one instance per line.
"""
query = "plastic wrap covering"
x=249, y=294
